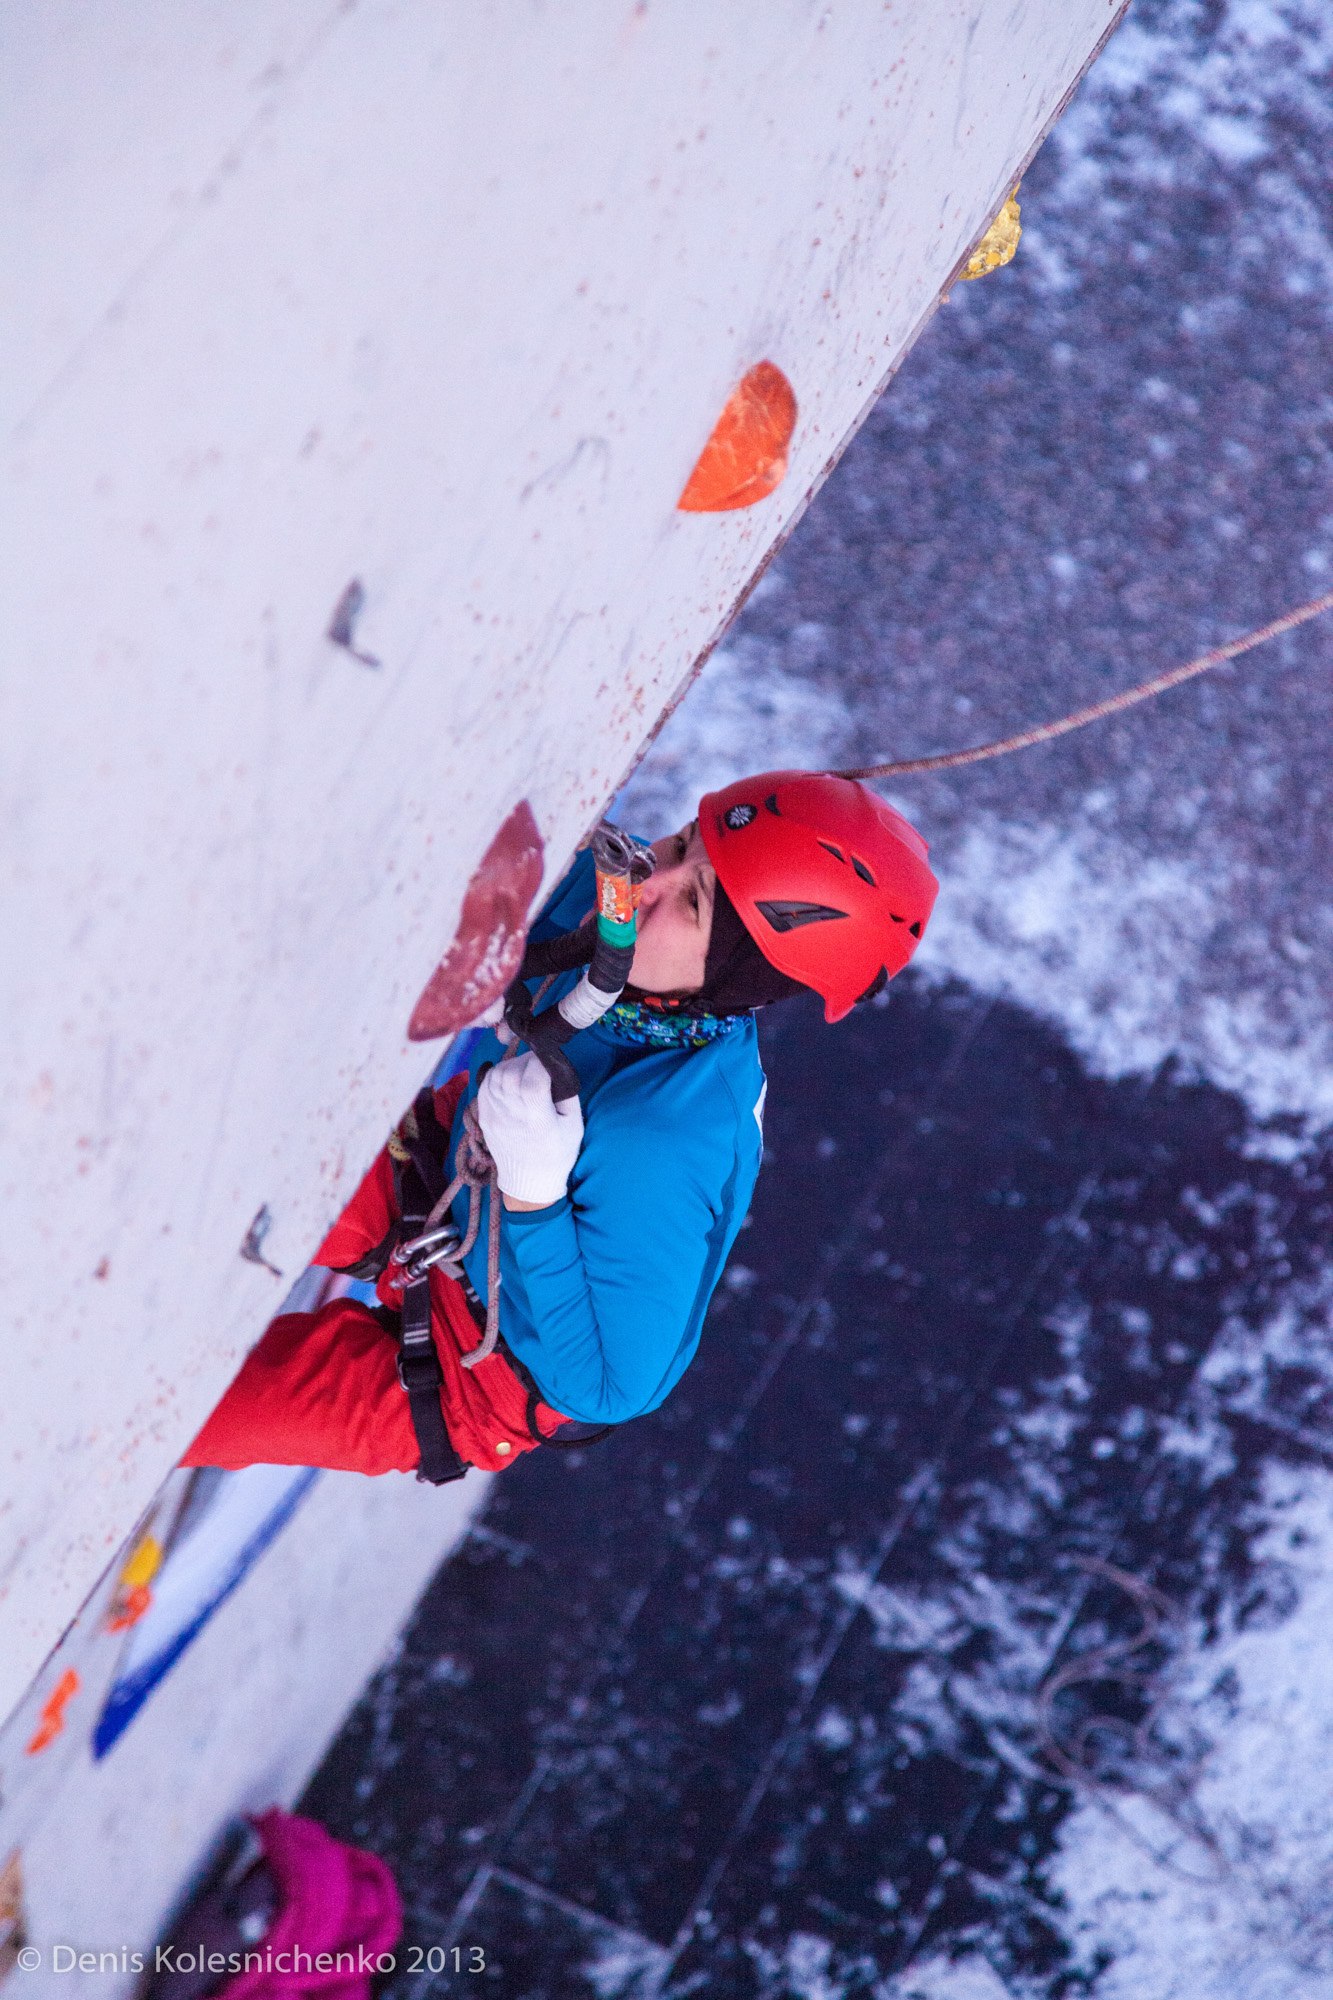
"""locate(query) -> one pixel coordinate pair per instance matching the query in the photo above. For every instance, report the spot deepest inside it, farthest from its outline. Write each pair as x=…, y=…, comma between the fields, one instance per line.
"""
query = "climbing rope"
x=1079, y=1750
x=949, y=760
x=474, y=1169
x=438, y=1242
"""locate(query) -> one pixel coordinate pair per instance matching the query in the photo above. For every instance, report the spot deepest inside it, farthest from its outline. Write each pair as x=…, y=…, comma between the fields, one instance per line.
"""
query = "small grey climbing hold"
x=253, y=1247
x=342, y=625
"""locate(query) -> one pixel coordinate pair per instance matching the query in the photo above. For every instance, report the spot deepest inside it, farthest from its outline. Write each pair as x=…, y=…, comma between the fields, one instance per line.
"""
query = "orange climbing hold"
x=129, y=1608
x=134, y=1586
x=52, y=1718
x=745, y=459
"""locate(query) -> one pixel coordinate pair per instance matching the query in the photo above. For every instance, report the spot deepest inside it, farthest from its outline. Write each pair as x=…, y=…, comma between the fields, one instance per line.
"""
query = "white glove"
x=534, y=1144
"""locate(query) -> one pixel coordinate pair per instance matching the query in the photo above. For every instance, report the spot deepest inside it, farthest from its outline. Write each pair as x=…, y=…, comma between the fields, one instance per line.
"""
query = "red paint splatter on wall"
x=745, y=458
x=492, y=929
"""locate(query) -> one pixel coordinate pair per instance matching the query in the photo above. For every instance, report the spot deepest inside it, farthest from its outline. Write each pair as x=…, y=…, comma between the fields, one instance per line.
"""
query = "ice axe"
x=604, y=945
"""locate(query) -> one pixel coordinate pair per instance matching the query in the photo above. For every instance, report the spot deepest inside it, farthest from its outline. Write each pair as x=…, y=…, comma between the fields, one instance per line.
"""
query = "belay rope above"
x=947, y=760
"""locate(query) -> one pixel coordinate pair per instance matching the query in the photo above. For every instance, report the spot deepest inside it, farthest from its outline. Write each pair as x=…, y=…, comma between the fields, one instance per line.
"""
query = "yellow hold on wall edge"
x=998, y=245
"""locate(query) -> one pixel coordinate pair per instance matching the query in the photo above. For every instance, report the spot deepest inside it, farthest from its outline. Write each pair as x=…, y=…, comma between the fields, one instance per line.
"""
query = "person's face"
x=675, y=916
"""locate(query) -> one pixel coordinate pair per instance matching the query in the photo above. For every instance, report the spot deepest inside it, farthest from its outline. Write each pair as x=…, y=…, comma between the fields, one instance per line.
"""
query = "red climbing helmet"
x=831, y=883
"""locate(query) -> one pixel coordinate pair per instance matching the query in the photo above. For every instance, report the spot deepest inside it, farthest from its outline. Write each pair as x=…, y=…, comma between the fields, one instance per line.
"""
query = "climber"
x=619, y=1207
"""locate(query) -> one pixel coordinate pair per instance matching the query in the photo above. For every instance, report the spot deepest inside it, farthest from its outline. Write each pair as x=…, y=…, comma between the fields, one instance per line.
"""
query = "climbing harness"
x=418, y=1242
x=1045, y=732
x=414, y=1148
x=437, y=1243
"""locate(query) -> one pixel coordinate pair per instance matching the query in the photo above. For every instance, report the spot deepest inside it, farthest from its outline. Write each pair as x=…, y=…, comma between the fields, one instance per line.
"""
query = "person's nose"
x=658, y=882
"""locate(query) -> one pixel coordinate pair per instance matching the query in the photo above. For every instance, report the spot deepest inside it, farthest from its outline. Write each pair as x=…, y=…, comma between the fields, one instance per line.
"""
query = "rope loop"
x=475, y=1170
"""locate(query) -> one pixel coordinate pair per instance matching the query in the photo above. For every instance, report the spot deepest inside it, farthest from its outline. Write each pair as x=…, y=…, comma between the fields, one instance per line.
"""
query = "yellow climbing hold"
x=999, y=243
x=145, y=1560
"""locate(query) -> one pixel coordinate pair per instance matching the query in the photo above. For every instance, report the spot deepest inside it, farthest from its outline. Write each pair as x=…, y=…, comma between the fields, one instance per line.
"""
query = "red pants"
x=322, y=1388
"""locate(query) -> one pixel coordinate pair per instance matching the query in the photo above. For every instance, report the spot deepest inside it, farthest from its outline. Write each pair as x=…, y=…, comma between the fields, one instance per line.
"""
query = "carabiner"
x=420, y=1254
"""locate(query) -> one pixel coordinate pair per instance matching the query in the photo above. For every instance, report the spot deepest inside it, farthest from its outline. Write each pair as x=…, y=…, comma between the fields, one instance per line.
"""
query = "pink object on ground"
x=336, y=1901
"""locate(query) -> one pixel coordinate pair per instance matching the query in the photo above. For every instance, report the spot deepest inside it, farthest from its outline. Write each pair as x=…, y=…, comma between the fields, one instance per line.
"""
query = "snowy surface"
x=1242, y=1902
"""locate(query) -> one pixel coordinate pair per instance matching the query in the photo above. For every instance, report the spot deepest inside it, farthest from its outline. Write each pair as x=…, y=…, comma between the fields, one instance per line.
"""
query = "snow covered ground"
x=1202, y=1869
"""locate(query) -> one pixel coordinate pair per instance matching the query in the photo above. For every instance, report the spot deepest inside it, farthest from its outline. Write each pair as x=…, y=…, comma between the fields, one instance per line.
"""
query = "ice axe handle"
x=622, y=866
x=546, y=1035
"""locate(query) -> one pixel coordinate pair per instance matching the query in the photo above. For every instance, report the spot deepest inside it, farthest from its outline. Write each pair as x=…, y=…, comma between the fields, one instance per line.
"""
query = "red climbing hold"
x=745, y=459
x=492, y=929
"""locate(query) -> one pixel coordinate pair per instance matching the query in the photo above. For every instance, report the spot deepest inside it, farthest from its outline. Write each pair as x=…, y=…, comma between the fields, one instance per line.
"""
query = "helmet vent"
x=915, y=929
x=791, y=916
x=836, y=852
x=863, y=871
x=771, y=802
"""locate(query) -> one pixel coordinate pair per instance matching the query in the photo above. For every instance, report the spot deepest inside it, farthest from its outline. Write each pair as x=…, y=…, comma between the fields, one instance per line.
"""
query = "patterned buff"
x=650, y=1027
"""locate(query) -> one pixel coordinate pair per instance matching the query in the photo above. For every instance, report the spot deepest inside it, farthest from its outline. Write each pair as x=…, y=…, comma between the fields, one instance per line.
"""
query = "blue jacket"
x=603, y=1294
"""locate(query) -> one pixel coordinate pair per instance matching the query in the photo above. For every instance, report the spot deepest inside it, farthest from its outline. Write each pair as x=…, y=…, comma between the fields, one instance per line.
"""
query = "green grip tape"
x=617, y=934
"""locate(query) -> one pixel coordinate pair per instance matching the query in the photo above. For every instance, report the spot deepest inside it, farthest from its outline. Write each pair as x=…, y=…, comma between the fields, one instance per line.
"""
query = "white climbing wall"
x=445, y=298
